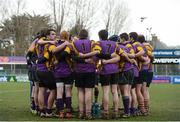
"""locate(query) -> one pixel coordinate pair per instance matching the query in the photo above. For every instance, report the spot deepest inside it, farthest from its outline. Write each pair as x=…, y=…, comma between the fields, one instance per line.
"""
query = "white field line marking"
x=1, y=92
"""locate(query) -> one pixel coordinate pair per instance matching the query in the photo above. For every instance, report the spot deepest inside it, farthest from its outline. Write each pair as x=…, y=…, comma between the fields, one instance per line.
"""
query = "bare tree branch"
x=115, y=14
x=85, y=11
x=61, y=10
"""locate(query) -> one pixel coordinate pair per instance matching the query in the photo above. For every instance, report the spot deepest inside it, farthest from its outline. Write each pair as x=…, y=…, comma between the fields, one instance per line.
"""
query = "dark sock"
x=46, y=95
x=42, y=111
x=60, y=104
x=49, y=111
x=126, y=104
x=64, y=97
x=37, y=108
x=32, y=103
x=68, y=103
x=132, y=110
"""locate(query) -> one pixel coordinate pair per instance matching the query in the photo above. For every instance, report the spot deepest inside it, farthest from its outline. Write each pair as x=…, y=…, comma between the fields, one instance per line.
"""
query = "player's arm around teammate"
x=139, y=51
x=45, y=75
x=63, y=76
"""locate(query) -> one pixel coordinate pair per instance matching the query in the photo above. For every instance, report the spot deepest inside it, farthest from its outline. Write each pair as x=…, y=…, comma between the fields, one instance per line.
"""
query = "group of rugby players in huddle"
x=122, y=64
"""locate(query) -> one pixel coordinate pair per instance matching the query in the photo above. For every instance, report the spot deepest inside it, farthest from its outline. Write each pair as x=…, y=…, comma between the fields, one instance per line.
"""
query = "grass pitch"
x=14, y=103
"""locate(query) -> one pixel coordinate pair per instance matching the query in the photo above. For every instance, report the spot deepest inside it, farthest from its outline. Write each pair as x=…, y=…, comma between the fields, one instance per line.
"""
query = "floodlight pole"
x=149, y=33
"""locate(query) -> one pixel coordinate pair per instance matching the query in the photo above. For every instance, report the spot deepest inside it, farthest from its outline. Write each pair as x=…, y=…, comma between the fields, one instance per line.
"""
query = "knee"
x=114, y=92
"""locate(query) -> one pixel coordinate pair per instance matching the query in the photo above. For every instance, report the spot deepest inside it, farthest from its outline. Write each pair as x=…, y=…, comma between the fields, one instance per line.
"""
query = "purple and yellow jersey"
x=32, y=49
x=42, y=51
x=82, y=46
x=62, y=68
x=108, y=47
x=132, y=51
x=39, y=48
x=119, y=51
x=149, y=50
x=130, y=48
x=143, y=66
x=124, y=64
x=150, y=55
x=137, y=47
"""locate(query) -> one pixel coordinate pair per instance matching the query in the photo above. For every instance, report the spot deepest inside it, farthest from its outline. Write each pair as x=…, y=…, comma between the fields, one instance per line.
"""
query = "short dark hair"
x=40, y=34
x=133, y=35
x=83, y=34
x=124, y=36
x=114, y=38
x=141, y=38
x=103, y=34
x=43, y=32
x=49, y=31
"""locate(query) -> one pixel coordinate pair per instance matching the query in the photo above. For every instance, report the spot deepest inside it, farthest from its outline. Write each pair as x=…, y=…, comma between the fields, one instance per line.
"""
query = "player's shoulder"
x=136, y=43
x=97, y=42
x=128, y=45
